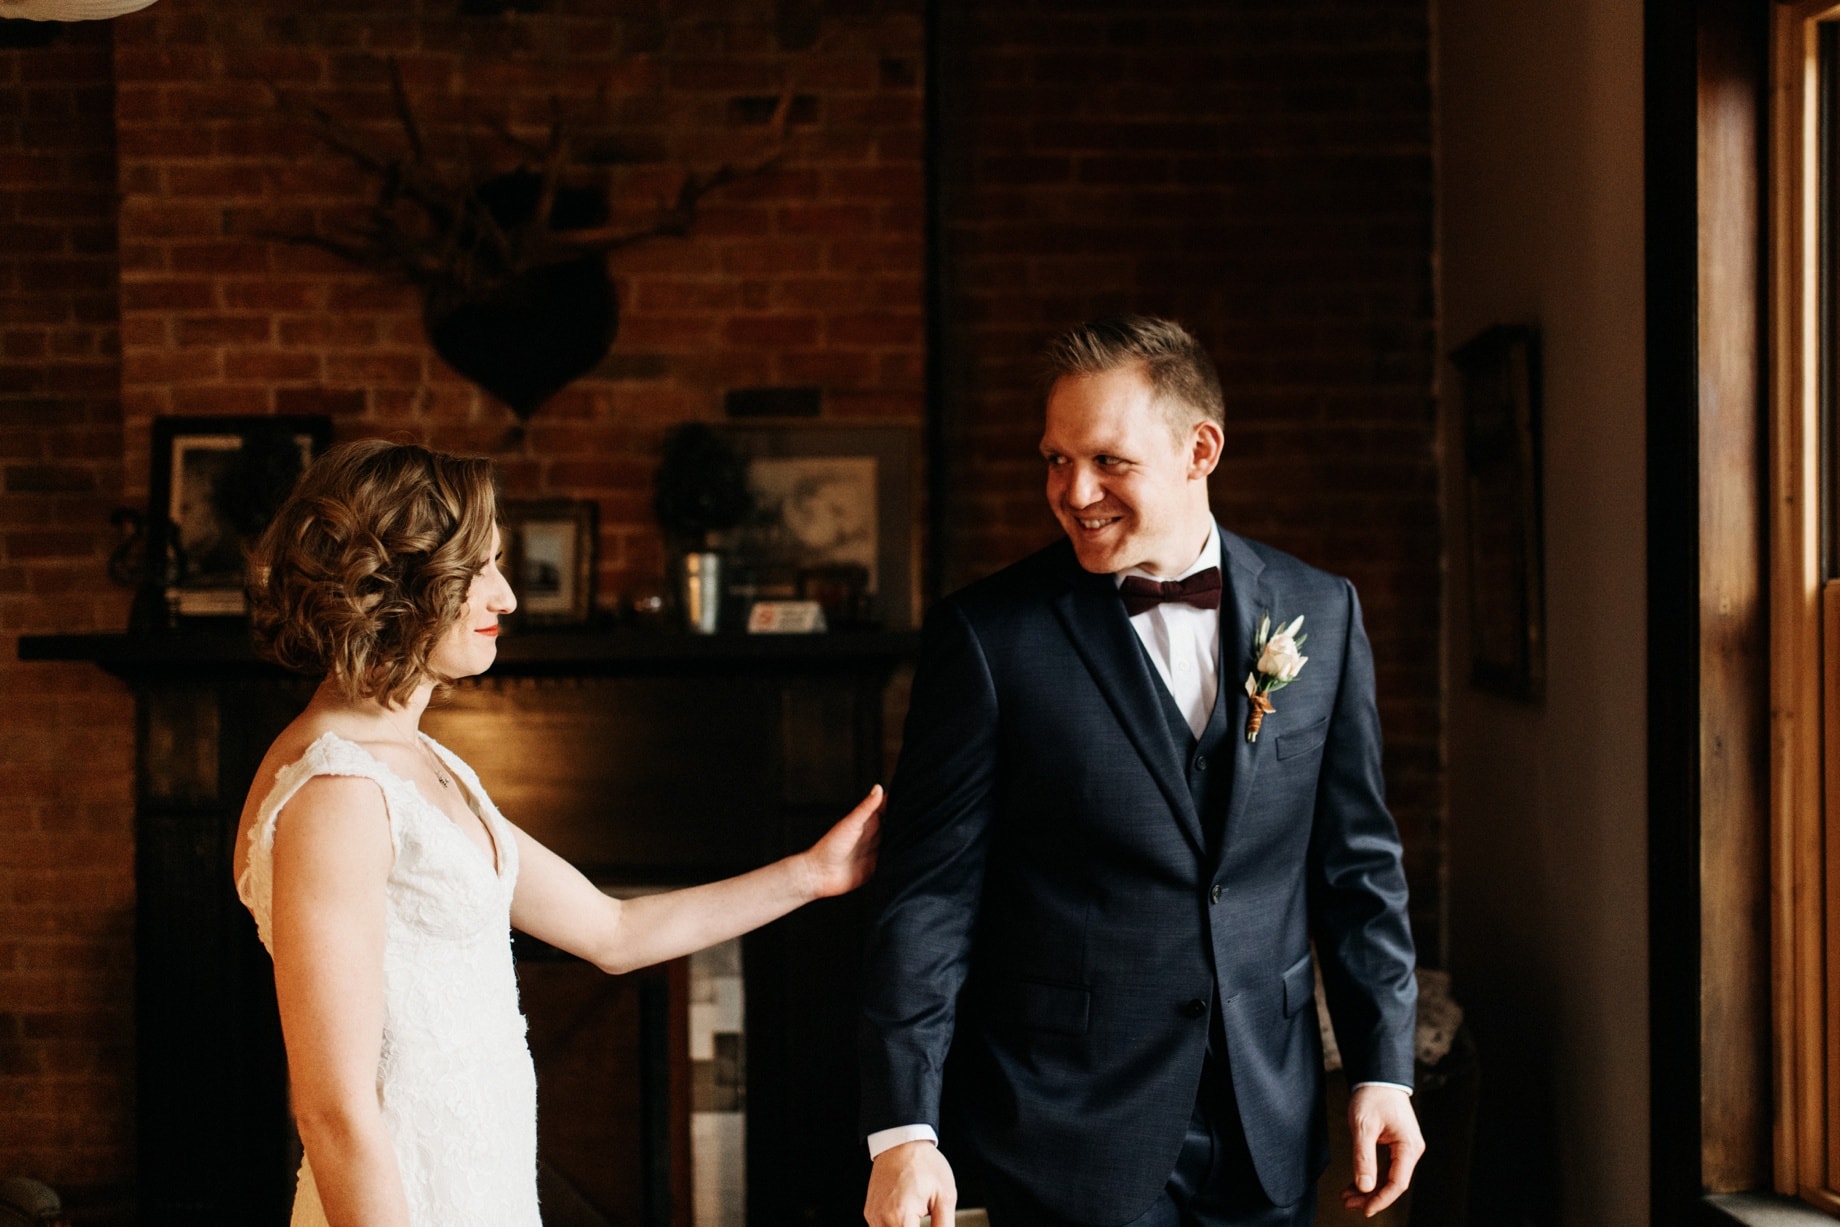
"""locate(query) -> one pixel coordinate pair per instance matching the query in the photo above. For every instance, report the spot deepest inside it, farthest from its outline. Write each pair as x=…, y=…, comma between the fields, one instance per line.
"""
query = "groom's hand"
x=908, y=1181
x=1381, y=1116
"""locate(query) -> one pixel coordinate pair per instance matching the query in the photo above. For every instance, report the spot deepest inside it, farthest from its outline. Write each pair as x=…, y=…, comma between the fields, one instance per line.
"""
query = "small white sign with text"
x=785, y=618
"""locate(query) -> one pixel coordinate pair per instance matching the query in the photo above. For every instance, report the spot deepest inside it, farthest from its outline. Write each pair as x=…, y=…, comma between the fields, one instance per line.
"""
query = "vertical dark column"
x=1673, y=602
x=806, y=1162
x=946, y=36
x=656, y=1022
x=212, y=1102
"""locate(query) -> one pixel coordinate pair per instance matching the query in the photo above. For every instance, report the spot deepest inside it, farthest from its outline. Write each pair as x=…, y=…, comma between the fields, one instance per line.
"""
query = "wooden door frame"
x=1706, y=93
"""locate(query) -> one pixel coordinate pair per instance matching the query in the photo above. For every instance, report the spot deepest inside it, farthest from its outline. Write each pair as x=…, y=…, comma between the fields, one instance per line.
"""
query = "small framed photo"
x=216, y=483
x=1500, y=369
x=549, y=558
x=832, y=521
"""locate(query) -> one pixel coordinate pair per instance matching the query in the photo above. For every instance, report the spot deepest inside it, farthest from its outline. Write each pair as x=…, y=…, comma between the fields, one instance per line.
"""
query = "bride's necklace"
x=440, y=773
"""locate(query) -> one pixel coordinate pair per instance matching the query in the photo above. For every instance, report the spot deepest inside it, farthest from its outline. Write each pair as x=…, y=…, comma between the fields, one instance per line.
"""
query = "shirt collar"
x=1209, y=557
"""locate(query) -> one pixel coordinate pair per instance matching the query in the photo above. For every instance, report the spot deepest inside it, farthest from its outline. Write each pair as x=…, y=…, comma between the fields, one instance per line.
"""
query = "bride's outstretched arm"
x=556, y=903
x=332, y=859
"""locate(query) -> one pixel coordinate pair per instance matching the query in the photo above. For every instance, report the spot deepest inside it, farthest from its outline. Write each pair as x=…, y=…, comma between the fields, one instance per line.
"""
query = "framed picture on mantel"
x=215, y=484
x=832, y=521
x=549, y=558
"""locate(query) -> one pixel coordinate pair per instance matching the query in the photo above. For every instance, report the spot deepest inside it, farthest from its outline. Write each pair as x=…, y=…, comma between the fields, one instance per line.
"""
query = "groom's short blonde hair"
x=1181, y=375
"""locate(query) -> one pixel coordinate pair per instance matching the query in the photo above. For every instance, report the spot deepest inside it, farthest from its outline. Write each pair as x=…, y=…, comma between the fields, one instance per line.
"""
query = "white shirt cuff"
x=888, y=1139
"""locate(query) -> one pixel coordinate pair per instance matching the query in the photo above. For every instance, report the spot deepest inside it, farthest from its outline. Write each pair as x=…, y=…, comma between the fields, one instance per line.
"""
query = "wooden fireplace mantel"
x=643, y=757
x=622, y=651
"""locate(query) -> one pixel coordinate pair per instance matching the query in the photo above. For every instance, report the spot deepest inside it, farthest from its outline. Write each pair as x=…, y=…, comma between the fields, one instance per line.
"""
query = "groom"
x=1097, y=881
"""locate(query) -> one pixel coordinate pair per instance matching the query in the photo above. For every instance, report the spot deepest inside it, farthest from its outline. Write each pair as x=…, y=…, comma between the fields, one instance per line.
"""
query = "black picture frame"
x=550, y=549
x=1506, y=588
x=213, y=485
x=850, y=544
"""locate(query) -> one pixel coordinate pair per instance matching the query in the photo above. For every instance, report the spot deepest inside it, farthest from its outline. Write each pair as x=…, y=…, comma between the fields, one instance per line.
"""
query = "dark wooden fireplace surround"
x=644, y=758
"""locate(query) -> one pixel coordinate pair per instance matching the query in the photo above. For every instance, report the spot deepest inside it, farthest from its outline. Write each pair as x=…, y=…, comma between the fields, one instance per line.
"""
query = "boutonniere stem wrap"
x=1278, y=659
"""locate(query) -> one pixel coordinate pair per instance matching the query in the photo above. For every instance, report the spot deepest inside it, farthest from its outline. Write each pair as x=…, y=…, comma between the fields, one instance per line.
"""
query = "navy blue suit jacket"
x=1045, y=889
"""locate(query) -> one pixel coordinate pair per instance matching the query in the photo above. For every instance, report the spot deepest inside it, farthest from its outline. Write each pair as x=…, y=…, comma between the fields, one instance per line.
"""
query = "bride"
x=384, y=882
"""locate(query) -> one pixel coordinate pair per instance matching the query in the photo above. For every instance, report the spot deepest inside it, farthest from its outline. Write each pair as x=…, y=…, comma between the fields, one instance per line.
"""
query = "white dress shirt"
x=1184, y=642
x=1184, y=645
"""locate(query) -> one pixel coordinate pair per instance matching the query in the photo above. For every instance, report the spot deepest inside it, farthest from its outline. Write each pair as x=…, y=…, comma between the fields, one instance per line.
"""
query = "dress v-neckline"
x=496, y=862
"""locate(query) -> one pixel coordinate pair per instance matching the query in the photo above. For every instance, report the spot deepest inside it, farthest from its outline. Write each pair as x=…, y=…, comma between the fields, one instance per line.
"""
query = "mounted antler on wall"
x=512, y=267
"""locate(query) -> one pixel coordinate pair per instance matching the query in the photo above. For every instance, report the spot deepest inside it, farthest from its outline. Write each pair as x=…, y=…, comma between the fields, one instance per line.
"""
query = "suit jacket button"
x=1195, y=1008
x=1200, y=762
x=1215, y=894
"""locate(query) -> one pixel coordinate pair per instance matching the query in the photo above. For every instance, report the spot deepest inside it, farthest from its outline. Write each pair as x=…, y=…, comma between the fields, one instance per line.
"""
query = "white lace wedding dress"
x=454, y=1079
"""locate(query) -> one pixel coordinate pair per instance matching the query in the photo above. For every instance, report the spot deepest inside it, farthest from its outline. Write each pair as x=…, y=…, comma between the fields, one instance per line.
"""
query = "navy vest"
x=1207, y=764
x=1207, y=761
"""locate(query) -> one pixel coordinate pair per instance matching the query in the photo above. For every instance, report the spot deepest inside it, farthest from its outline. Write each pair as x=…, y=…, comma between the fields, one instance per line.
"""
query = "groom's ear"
x=1206, y=442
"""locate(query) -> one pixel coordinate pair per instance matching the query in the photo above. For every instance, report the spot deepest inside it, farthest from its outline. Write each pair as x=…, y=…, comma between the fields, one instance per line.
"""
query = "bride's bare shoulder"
x=310, y=726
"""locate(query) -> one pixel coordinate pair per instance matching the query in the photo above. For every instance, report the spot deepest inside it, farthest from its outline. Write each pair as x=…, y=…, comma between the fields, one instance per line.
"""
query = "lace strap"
x=329, y=755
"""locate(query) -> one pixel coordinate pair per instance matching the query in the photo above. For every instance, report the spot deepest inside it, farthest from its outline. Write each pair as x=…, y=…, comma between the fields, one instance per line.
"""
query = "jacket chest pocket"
x=1295, y=743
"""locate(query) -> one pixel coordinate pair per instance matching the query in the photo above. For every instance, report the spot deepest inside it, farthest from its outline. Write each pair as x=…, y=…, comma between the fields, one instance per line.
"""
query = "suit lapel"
x=1102, y=634
x=1250, y=599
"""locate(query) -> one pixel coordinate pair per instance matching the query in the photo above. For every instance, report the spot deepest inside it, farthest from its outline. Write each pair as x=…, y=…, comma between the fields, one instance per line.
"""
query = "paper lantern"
x=68, y=10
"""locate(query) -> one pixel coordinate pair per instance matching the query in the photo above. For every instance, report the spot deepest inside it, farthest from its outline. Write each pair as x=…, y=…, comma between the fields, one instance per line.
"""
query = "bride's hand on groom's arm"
x=845, y=857
x=555, y=903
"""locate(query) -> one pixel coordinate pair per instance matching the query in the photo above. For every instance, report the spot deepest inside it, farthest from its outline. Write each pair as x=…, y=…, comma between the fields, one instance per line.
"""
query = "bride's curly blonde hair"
x=368, y=564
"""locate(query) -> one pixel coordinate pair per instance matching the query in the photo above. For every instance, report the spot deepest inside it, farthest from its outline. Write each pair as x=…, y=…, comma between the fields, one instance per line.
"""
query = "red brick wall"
x=66, y=731
x=810, y=275
x=1262, y=172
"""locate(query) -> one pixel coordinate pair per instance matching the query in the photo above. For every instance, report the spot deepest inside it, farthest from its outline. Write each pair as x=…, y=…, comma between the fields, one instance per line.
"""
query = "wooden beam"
x=1733, y=649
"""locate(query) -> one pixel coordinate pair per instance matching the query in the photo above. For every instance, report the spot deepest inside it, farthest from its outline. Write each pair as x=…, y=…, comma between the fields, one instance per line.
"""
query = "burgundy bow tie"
x=1202, y=590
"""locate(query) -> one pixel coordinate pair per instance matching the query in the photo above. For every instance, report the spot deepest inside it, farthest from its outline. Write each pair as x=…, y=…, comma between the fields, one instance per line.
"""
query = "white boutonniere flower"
x=1279, y=660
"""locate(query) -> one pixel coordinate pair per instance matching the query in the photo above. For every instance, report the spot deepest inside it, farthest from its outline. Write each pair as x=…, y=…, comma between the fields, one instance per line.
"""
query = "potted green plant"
x=700, y=492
